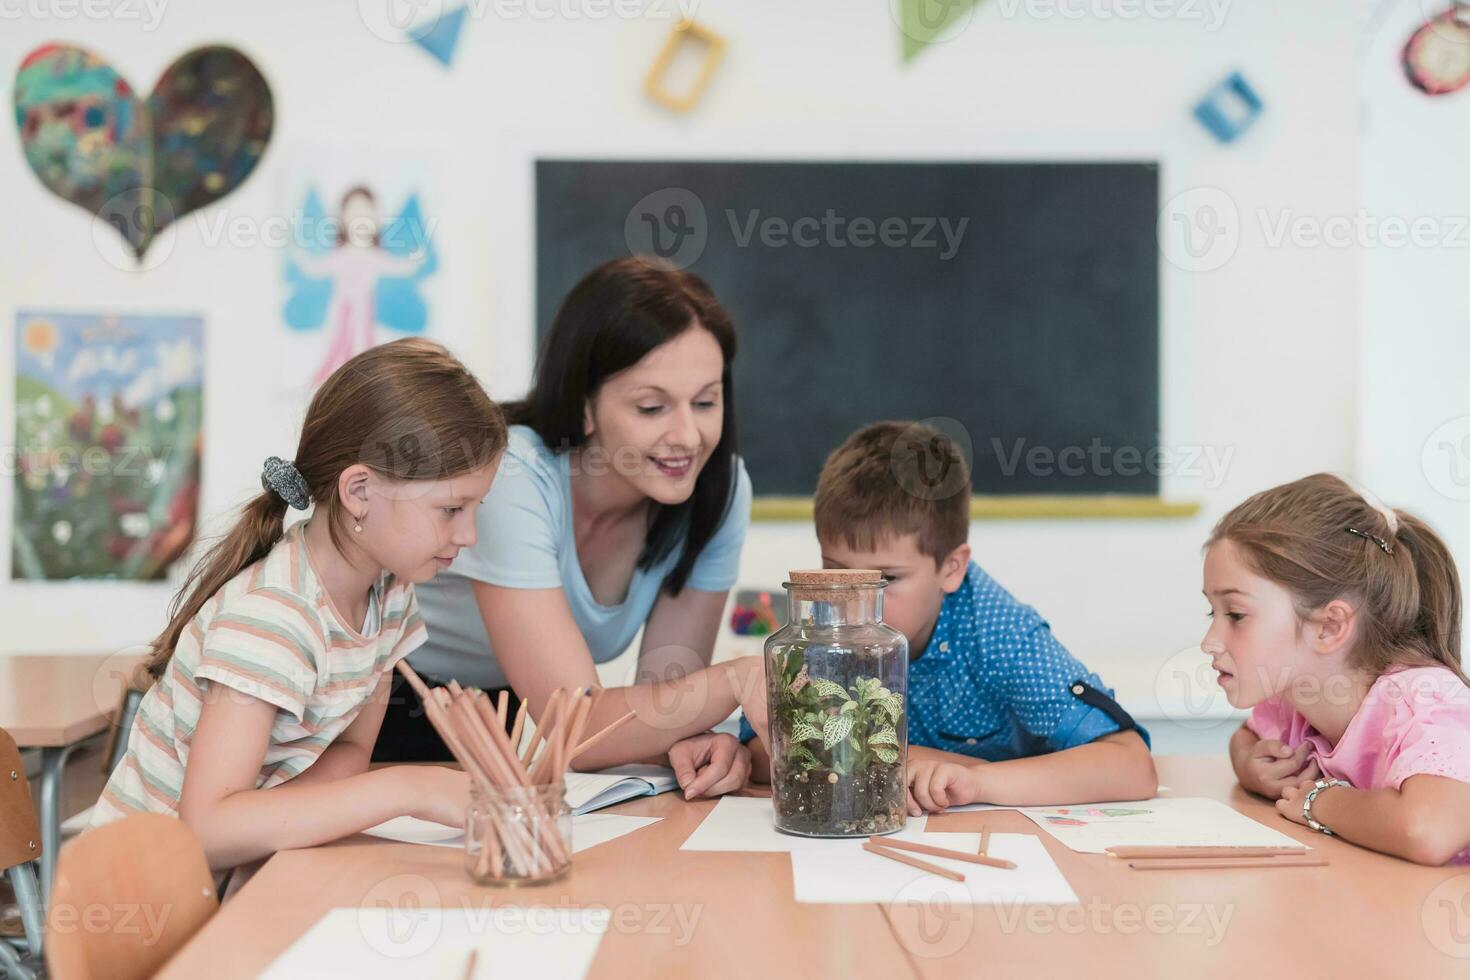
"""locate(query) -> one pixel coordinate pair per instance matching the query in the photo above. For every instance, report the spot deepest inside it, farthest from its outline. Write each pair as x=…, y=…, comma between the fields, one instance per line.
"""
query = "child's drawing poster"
x=1165, y=822
x=109, y=416
x=361, y=266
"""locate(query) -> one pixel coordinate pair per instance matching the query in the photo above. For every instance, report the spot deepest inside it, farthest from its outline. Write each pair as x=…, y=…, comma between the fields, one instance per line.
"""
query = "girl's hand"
x=710, y=765
x=1290, y=804
x=935, y=785
x=437, y=793
x=1272, y=766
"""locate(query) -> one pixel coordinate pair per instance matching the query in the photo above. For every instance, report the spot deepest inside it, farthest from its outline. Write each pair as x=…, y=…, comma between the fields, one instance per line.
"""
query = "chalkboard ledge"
x=1014, y=507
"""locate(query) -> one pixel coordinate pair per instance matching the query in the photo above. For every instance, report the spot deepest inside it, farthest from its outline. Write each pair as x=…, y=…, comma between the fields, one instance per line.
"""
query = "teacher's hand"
x=710, y=765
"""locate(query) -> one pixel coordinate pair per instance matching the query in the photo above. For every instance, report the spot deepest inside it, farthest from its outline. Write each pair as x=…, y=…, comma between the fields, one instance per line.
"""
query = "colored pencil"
x=912, y=862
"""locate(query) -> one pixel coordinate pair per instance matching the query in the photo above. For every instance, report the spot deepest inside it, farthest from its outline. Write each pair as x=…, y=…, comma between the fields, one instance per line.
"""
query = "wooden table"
x=684, y=914
x=54, y=702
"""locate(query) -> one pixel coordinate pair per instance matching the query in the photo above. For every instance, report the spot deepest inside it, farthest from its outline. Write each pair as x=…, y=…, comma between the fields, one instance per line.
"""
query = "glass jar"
x=836, y=681
x=518, y=835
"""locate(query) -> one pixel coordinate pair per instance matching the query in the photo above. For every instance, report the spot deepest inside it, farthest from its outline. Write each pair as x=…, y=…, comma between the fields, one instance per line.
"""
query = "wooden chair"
x=20, y=847
x=127, y=896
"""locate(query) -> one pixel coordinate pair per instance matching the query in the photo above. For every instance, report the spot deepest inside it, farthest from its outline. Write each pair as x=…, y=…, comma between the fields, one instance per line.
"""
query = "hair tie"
x=286, y=481
x=1371, y=499
x=1372, y=537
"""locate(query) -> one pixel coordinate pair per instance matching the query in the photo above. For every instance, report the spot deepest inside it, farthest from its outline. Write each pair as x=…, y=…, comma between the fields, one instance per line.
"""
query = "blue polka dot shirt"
x=994, y=683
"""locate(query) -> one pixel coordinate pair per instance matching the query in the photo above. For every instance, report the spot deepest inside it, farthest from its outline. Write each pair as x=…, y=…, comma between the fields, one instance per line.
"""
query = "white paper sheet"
x=743, y=823
x=393, y=943
x=852, y=875
x=588, y=830
x=1174, y=822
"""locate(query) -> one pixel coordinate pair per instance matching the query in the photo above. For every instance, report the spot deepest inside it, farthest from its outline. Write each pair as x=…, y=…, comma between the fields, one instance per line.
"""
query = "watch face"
x=1437, y=57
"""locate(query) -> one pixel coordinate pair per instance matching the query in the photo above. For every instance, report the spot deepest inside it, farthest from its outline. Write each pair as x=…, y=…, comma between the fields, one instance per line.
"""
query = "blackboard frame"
x=661, y=179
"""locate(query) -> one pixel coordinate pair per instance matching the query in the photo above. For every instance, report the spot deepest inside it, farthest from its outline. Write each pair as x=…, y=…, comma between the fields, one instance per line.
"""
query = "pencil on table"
x=912, y=862
x=1205, y=851
x=984, y=838
x=1167, y=864
x=944, y=852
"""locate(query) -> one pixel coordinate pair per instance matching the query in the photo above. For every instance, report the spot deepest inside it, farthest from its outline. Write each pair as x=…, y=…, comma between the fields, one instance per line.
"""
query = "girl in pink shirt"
x=1337, y=621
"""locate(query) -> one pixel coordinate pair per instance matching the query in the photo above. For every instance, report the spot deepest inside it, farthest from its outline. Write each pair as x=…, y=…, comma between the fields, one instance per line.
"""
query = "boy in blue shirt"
x=999, y=711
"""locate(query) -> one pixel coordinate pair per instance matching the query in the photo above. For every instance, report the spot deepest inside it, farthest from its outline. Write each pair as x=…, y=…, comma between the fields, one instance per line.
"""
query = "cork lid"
x=836, y=576
x=832, y=583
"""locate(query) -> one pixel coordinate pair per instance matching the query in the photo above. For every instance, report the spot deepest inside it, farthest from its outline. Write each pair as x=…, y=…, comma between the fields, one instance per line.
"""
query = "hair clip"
x=1372, y=537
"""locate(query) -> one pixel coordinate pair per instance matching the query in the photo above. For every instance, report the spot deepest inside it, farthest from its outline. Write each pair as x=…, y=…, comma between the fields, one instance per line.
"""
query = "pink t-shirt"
x=1413, y=722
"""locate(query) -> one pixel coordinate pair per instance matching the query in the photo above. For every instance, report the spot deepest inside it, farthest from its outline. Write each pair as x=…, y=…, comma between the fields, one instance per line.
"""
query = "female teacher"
x=619, y=505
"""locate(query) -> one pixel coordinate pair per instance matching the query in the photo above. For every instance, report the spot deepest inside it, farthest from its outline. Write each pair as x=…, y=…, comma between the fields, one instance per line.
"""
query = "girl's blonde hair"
x=408, y=410
x=1321, y=539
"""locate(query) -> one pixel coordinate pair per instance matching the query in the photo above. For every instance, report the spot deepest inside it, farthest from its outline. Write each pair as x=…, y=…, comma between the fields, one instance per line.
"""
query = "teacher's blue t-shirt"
x=526, y=541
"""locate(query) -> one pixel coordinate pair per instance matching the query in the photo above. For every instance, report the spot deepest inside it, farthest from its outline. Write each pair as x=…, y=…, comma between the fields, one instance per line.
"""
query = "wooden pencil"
x=912, y=862
x=520, y=727
x=984, y=838
x=1140, y=851
x=592, y=740
x=1167, y=864
x=944, y=852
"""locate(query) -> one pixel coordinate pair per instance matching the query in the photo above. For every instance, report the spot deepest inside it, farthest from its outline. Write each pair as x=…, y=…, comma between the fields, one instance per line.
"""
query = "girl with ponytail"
x=1336, y=620
x=272, y=676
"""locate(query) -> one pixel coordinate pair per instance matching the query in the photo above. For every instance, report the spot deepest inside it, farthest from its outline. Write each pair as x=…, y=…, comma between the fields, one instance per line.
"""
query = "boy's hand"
x=935, y=785
x=1272, y=766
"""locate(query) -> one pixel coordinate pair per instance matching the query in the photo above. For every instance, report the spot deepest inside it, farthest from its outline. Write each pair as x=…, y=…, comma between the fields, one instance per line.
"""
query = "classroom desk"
x=1364, y=915
x=54, y=702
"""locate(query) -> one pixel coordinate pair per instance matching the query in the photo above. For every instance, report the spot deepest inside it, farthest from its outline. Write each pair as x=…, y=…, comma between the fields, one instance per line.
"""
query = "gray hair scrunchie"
x=287, y=482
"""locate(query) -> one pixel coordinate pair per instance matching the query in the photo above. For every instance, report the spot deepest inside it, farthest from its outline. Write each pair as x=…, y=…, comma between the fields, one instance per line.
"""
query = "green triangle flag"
x=923, y=22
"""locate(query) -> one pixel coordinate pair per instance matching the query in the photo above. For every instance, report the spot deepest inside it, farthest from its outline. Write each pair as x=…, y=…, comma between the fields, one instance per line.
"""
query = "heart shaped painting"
x=141, y=164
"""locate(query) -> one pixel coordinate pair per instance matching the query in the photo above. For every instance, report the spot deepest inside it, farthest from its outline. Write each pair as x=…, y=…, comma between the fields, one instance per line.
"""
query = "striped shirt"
x=271, y=633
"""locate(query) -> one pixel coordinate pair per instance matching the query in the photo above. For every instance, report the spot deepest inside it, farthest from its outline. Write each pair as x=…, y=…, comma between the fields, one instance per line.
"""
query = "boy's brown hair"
x=880, y=483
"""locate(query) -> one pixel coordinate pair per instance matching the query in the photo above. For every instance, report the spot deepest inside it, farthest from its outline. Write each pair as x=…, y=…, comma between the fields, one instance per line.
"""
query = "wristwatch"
x=1318, y=787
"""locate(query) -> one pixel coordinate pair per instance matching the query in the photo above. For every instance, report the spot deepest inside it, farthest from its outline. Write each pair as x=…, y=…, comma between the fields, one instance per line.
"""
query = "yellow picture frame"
x=684, y=32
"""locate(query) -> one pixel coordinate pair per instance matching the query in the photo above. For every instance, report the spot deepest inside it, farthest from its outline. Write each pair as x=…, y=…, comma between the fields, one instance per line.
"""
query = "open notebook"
x=588, y=791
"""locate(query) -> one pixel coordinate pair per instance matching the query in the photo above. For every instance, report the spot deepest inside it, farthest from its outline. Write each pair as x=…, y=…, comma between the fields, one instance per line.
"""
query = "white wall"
x=1260, y=355
x=1414, y=421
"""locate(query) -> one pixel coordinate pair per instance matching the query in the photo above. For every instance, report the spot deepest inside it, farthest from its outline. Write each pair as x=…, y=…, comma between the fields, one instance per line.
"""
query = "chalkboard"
x=1020, y=300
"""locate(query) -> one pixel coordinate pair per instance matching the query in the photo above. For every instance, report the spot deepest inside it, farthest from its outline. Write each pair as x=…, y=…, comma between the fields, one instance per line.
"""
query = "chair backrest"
x=20, y=828
x=127, y=896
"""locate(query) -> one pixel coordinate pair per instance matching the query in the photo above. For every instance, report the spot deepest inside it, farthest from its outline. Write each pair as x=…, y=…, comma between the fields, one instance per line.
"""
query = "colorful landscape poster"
x=109, y=417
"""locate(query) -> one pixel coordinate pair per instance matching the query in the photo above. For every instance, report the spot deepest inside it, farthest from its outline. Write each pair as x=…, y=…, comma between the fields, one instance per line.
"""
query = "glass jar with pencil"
x=518, y=829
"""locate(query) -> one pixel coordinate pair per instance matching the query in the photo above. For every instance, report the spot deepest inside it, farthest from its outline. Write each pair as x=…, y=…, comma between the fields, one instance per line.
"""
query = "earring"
x=357, y=525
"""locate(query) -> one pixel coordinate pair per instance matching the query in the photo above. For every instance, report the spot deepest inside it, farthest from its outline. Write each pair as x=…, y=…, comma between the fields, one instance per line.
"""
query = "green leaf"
x=849, y=706
x=803, y=757
x=893, y=705
x=792, y=666
x=872, y=690
x=830, y=689
x=836, y=729
x=884, y=736
x=888, y=755
x=802, y=732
